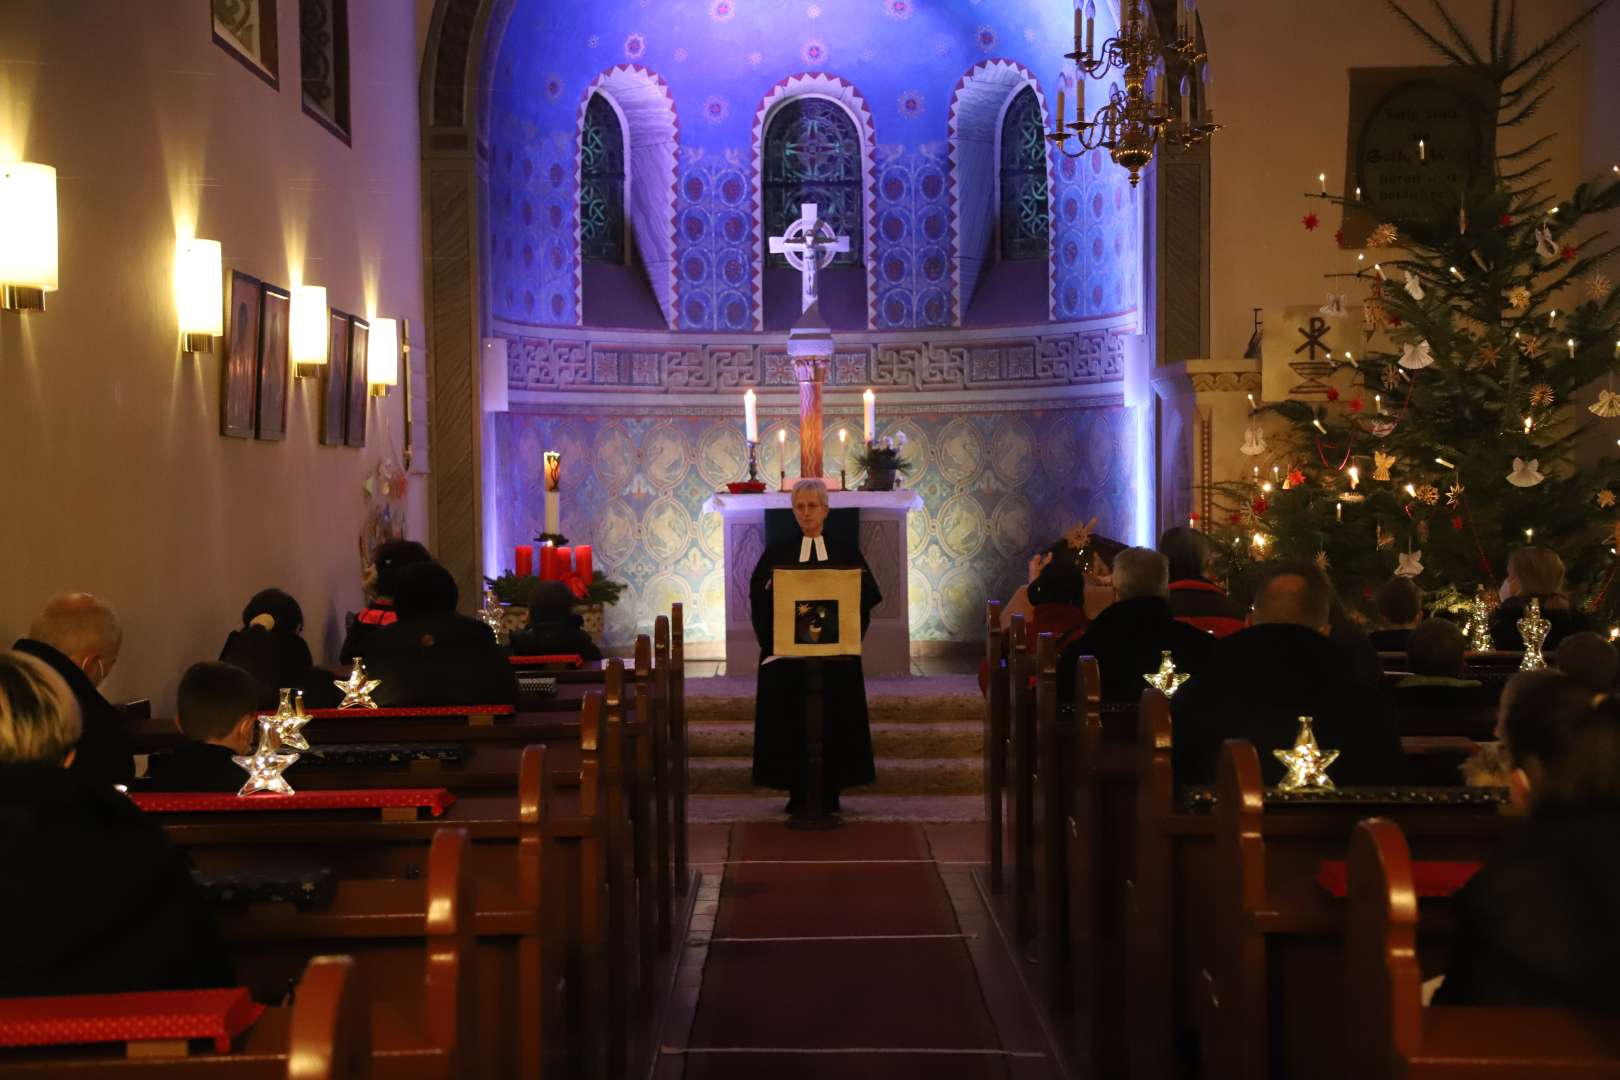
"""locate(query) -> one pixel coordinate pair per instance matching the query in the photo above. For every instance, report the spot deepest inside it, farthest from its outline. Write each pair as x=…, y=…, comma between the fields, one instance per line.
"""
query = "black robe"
x=779, y=725
x=106, y=752
x=440, y=660
x=195, y=766
x=1129, y=638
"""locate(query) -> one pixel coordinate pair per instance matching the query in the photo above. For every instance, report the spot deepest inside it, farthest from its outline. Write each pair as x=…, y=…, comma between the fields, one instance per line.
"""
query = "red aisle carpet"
x=838, y=955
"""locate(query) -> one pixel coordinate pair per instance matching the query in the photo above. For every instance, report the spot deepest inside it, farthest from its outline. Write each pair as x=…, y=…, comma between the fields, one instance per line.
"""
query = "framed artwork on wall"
x=247, y=30
x=354, y=432
x=237, y=372
x=335, y=380
x=273, y=368
x=323, y=63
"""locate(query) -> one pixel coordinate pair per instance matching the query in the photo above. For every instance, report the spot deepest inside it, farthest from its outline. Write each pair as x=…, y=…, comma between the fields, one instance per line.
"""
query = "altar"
x=887, y=648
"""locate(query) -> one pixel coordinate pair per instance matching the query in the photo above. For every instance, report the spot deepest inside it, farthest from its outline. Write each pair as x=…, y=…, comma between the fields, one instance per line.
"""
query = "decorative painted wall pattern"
x=719, y=59
x=995, y=485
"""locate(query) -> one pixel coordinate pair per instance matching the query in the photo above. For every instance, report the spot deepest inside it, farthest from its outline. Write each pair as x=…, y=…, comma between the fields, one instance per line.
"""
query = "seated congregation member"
x=392, y=557
x=1194, y=597
x=1398, y=603
x=96, y=898
x=1589, y=659
x=1536, y=927
x=79, y=636
x=1257, y=683
x=1130, y=636
x=1437, y=697
x=217, y=711
x=1053, y=602
x=554, y=629
x=270, y=645
x=434, y=656
x=1534, y=573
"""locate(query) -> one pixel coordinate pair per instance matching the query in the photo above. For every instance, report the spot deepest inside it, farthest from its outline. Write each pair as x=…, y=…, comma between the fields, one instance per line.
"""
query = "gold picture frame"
x=816, y=612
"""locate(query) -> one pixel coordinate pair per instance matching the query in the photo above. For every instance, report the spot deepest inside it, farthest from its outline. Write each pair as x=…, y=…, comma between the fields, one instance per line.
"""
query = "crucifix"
x=809, y=245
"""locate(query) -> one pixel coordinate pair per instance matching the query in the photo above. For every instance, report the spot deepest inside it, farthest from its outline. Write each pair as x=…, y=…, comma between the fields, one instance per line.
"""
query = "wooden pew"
x=1052, y=811
x=995, y=741
x=1019, y=803
x=324, y=1035
x=678, y=755
x=1390, y=1034
x=1273, y=987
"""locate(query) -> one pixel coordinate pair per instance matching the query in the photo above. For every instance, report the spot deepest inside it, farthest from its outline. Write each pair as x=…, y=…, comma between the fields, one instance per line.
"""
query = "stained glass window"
x=813, y=154
x=1024, y=204
x=601, y=184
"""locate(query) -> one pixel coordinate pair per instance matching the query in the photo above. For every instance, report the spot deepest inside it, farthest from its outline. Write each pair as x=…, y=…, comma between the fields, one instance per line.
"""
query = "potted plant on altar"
x=881, y=461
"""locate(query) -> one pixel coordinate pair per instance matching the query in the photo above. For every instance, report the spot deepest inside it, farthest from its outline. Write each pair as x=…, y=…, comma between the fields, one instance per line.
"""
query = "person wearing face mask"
x=78, y=635
x=1535, y=573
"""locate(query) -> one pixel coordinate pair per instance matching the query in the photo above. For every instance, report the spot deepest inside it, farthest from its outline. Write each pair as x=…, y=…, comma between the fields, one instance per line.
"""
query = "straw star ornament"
x=357, y=688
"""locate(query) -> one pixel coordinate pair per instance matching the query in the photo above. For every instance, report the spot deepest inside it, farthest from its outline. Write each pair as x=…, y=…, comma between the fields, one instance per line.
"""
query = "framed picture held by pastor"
x=817, y=613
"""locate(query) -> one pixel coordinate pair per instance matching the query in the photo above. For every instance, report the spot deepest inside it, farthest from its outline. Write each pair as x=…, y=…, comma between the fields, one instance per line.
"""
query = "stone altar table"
x=887, y=648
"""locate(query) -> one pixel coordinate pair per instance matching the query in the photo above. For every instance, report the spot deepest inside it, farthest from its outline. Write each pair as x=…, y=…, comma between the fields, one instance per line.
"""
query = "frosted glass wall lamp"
x=199, y=293
x=28, y=254
x=307, y=336
x=382, y=360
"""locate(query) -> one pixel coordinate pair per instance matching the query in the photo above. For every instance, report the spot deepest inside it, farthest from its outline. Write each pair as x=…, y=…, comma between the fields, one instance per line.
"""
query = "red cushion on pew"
x=1432, y=879
x=572, y=660
x=411, y=711
x=220, y=1015
x=437, y=800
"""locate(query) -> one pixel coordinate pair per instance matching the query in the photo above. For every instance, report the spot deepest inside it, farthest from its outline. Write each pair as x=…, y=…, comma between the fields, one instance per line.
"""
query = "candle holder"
x=753, y=461
x=753, y=485
x=843, y=482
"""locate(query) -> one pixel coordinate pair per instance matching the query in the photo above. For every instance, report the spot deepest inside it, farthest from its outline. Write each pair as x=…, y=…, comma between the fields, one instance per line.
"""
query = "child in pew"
x=1398, y=604
x=1436, y=657
x=217, y=712
x=95, y=897
x=1539, y=926
x=1589, y=660
x=433, y=655
x=554, y=629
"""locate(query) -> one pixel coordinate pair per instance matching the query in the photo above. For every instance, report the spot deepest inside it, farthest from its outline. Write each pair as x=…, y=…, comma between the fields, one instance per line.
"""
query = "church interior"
x=809, y=538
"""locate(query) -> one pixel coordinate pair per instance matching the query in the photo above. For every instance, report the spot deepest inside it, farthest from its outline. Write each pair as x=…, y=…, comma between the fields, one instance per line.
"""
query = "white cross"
x=809, y=245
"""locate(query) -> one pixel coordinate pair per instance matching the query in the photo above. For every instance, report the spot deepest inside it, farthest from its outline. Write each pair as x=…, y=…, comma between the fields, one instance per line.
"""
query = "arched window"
x=813, y=154
x=601, y=185
x=1024, y=221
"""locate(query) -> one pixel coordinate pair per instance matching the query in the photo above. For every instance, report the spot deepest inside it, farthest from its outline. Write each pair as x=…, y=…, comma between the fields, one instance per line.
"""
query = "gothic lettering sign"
x=1422, y=137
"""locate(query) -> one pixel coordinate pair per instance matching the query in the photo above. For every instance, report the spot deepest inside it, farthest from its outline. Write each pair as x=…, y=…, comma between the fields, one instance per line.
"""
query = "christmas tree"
x=1451, y=440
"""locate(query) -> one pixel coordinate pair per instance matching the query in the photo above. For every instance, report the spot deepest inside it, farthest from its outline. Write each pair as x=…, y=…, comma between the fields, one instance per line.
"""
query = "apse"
x=638, y=157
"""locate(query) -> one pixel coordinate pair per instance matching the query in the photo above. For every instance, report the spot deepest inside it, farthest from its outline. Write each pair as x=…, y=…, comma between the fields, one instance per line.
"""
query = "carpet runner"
x=838, y=955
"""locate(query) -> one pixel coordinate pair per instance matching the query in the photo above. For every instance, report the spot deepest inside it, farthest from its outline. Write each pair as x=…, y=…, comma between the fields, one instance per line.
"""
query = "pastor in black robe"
x=780, y=757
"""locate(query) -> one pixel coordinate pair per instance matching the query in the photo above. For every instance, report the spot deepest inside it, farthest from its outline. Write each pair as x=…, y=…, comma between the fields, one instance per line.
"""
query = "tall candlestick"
x=1057, y=118
x=869, y=415
x=553, y=476
x=751, y=416
x=1080, y=99
x=1091, y=25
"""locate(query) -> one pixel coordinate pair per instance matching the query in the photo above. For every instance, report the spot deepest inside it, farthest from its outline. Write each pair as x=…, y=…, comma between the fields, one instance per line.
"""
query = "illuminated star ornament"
x=1306, y=763
x=266, y=764
x=290, y=719
x=1533, y=629
x=357, y=688
x=1167, y=680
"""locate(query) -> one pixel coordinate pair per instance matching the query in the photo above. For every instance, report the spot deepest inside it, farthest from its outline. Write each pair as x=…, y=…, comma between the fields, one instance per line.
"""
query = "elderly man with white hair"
x=780, y=758
x=78, y=636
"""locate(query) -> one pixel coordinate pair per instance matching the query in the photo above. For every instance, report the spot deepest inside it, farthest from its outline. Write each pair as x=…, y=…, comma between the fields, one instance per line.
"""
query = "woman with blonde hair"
x=1534, y=573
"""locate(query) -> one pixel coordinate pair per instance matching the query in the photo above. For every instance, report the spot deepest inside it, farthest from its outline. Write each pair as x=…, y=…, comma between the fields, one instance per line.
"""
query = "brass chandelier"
x=1135, y=120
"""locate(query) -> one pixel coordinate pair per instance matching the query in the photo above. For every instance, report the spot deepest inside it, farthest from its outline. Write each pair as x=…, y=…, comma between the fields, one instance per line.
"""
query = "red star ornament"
x=1356, y=405
x=1310, y=221
x=1568, y=254
x=1259, y=506
x=1295, y=477
x=1333, y=393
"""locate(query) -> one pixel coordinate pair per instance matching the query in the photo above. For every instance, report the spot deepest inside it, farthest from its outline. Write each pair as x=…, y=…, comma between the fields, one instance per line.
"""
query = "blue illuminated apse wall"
x=1014, y=409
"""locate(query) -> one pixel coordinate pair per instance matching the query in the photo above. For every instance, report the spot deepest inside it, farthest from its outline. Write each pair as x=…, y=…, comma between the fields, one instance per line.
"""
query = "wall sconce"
x=199, y=293
x=27, y=235
x=382, y=360
x=493, y=373
x=307, y=337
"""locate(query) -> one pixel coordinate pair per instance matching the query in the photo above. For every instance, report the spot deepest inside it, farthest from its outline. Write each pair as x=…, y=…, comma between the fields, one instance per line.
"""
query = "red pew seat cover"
x=573, y=660
x=220, y=1015
x=436, y=800
x=1431, y=879
x=410, y=711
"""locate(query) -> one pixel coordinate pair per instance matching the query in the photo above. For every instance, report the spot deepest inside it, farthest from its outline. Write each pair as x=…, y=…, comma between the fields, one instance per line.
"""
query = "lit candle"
x=523, y=561
x=843, y=448
x=1423, y=151
x=1186, y=102
x=1355, y=477
x=1456, y=273
x=1274, y=472
x=1571, y=344
x=1091, y=25
x=1338, y=512
x=1358, y=194
x=1552, y=317
x=1057, y=119
x=1617, y=350
x=1529, y=536
x=553, y=478
x=1378, y=403
x=1205, y=113
x=1321, y=178
x=751, y=416
x=1251, y=396
x=1380, y=271
x=781, y=452
x=869, y=412
x=1411, y=490
x=1527, y=425
x=1079, y=98
x=1316, y=422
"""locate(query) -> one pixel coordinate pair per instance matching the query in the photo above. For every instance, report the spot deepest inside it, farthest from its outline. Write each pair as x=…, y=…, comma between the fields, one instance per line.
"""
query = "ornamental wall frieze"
x=1207, y=382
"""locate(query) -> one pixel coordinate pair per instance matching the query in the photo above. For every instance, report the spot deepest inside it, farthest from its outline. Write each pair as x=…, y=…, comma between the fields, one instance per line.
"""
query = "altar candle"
x=751, y=416
x=582, y=562
x=523, y=561
x=781, y=451
x=869, y=414
x=553, y=476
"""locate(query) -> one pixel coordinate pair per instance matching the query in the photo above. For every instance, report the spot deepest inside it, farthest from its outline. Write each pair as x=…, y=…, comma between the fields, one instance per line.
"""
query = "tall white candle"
x=553, y=481
x=869, y=407
x=781, y=451
x=751, y=416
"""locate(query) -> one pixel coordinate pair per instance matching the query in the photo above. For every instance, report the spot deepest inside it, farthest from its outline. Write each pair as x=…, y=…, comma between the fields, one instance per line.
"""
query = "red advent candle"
x=582, y=562
x=548, y=563
x=565, y=562
x=523, y=561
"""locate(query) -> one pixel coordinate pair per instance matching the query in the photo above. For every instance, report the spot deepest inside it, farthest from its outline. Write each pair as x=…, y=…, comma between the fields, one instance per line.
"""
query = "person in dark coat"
x=1195, y=599
x=779, y=723
x=1257, y=683
x=1437, y=698
x=217, y=711
x=1536, y=927
x=79, y=636
x=391, y=558
x=271, y=648
x=434, y=656
x=1131, y=635
x=1399, y=604
x=1535, y=573
x=96, y=897
x=1589, y=659
x=554, y=629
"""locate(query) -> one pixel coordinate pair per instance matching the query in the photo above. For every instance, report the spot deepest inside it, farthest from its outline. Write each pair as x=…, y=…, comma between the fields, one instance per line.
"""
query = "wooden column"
x=811, y=371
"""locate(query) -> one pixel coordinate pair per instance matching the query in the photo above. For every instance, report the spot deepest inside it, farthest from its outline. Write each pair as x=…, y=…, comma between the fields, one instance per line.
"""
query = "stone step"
x=889, y=700
x=897, y=740
x=855, y=806
x=896, y=776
